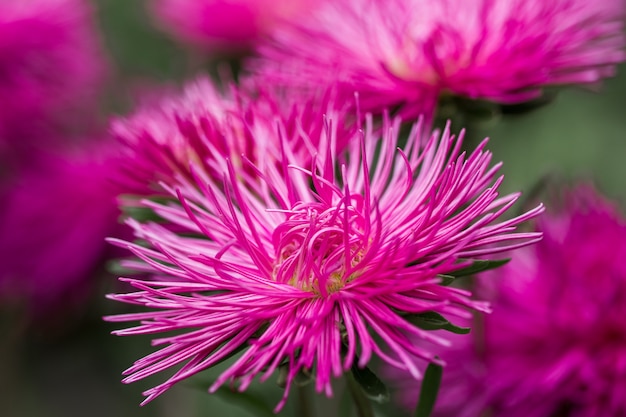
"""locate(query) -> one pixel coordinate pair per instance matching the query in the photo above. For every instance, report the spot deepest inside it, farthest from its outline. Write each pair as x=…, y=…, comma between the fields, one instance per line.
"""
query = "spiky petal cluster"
x=406, y=53
x=289, y=262
x=555, y=343
x=163, y=137
x=205, y=125
x=225, y=24
x=51, y=62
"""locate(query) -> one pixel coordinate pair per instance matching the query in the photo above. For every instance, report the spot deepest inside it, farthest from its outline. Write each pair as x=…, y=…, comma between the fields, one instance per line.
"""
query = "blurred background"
x=71, y=366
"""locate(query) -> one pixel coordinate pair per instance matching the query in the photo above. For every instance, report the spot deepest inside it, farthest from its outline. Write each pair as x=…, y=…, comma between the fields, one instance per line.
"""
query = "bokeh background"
x=72, y=367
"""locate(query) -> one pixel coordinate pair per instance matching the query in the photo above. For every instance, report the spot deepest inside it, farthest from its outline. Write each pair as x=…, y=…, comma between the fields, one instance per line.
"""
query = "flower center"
x=441, y=55
x=318, y=248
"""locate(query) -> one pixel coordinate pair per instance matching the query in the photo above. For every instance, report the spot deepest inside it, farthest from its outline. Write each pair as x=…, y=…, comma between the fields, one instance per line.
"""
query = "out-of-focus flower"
x=206, y=124
x=226, y=25
x=555, y=344
x=314, y=267
x=54, y=219
x=407, y=53
x=51, y=66
x=166, y=135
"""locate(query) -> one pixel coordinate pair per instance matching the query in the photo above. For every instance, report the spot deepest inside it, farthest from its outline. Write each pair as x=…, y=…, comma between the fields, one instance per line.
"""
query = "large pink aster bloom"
x=314, y=267
x=555, y=344
x=407, y=52
x=54, y=219
x=51, y=65
x=225, y=24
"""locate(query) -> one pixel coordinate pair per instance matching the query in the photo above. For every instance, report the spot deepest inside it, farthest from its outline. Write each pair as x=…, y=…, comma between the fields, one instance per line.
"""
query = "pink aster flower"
x=54, y=219
x=406, y=53
x=51, y=65
x=206, y=124
x=225, y=24
x=314, y=267
x=555, y=344
x=164, y=135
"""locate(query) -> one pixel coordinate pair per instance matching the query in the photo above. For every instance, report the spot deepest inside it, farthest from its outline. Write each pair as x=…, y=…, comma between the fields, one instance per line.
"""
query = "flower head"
x=555, y=343
x=51, y=65
x=314, y=266
x=225, y=24
x=406, y=53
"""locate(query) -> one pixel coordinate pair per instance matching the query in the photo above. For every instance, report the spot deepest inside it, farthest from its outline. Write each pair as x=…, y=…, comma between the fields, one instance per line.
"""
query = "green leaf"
x=141, y=214
x=372, y=386
x=429, y=390
x=446, y=279
x=346, y=401
x=477, y=110
x=478, y=266
x=362, y=404
x=548, y=95
x=435, y=321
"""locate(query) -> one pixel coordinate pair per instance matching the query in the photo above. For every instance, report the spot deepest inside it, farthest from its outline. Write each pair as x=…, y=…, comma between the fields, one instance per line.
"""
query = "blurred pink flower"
x=555, y=343
x=207, y=124
x=54, y=219
x=407, y=52
x=225, y=25
x=169, y=132
x=288, y=262
x=51, y=66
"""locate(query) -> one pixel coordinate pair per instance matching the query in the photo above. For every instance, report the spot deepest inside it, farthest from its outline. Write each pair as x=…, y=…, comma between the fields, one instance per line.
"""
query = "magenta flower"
x=291, y=264
x=205, y=125
x=406, y=53
x=555, y=343
x=163, y=136
x=51, y=66
x=225, y=24
x=54, y=219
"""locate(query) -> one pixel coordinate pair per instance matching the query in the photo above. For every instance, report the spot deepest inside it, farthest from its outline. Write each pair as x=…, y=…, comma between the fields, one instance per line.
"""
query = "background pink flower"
x=54, y=219
x=555, y=343
x=51, y=67
x=407, y=52
x=205, y=124
x=226, y=24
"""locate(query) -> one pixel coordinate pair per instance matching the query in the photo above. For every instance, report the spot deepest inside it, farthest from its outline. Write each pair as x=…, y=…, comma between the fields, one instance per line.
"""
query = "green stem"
x=361, y=402
x=305, y=405
x=14, y=330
